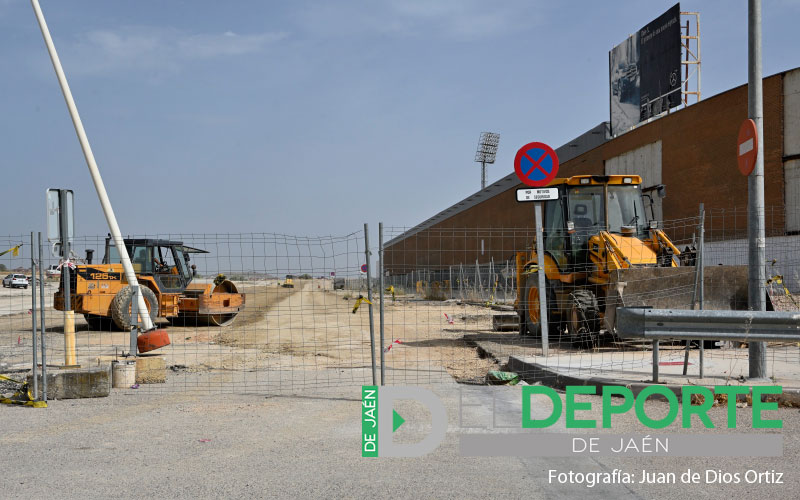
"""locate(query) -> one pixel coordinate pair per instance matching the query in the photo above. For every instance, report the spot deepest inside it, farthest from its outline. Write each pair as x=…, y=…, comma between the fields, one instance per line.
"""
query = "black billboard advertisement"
x=644, y=72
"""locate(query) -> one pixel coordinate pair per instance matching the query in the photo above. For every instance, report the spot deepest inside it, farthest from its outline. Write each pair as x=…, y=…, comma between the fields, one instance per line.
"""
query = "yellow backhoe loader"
x=602, y=251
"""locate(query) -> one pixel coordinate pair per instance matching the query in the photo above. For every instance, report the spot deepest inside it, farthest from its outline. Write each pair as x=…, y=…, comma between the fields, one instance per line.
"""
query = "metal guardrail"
x=745, y=326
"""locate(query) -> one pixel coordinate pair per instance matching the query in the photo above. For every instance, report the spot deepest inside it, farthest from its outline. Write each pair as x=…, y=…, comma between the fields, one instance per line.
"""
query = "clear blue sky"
x=312, y=117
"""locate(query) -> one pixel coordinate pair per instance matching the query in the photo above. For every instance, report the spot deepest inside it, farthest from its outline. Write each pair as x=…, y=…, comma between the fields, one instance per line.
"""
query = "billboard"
x=644, y=72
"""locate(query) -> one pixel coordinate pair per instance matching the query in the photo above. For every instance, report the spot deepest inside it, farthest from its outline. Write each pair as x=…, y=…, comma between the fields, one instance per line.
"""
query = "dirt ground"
x=310, y=327
x=307, y=333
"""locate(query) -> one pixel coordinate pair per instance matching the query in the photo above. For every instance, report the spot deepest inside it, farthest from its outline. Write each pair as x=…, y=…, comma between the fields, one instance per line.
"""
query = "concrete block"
x=151, y=370
x=76, y=383
x=505, y=322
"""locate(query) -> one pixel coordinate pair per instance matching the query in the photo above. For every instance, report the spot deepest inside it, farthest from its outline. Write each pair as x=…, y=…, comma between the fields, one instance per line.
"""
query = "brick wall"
x=698, y=165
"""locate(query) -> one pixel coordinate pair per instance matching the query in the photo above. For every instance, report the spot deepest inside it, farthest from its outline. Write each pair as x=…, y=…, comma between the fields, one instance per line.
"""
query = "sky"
x=313, y=117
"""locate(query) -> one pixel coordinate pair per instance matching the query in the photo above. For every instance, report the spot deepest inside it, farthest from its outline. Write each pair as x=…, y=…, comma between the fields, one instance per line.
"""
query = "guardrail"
x=688, y=325
x=743, y=326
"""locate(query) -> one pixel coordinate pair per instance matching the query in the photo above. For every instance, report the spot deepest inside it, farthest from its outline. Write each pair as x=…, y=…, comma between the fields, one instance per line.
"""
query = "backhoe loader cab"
x=601, y=252
x=585, y=207
x=102, y=294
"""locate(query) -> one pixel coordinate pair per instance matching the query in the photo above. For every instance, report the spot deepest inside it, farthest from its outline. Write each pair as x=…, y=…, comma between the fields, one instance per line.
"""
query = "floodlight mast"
x=130, y=275
x=487, y=150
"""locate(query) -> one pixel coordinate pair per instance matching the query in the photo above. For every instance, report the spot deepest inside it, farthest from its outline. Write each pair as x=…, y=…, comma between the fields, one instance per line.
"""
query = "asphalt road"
x=308, y=445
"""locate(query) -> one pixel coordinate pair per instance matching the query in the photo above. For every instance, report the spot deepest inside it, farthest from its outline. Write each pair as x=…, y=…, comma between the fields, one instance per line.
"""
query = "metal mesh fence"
x=457, y=304
x=471, y=291
x=295, y=329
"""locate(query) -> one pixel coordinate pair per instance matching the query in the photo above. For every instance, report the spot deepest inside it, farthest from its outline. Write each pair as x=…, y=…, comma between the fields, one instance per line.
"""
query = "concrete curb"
x=76, y=383
x=534, y=372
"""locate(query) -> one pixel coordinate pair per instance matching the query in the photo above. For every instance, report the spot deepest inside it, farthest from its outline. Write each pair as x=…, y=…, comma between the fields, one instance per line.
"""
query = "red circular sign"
x=747, y=147
x=536, y=164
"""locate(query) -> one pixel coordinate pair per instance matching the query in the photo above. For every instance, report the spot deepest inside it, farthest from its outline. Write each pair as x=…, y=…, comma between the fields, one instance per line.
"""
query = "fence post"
x=134, y=321
x=701, y=263
x=369, y=297
x=451, y=295
x=697, y=296
x=655, y=361
x=492, y=281
x=461, y=281
x=41, y=322
x=478, y=281
x=381, y=312
x=33, y=317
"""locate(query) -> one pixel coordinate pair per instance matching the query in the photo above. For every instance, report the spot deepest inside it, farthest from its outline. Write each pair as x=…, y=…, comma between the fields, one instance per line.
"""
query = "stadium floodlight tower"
x=487, y=150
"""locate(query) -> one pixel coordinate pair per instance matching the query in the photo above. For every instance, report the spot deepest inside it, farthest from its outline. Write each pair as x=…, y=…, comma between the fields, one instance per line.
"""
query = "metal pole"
x=755, y=187
x=33, y=317
x=478, y=283
x=451, y=295
x=483, y=175
x=540, y=273
x=369, y=297
x=134, y=348
x=380, y=269
x=41, y=322
x=655, y=361
x=65, y=248
x=70, y=358
x=699, y=59
x=686, y=356
x=108, y=211
x=701, y=285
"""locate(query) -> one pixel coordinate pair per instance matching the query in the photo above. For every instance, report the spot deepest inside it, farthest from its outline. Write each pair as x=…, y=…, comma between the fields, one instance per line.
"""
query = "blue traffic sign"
x=536, y=164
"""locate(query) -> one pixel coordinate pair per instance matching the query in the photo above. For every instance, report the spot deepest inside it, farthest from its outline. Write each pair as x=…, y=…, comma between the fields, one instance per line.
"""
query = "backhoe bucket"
x=725, y=288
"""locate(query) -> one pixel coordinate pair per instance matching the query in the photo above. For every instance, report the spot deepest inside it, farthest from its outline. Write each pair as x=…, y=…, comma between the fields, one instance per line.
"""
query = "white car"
x=15, y=281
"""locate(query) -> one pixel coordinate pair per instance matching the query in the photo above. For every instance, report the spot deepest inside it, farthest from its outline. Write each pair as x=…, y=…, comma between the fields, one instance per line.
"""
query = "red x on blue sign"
x=536, y=164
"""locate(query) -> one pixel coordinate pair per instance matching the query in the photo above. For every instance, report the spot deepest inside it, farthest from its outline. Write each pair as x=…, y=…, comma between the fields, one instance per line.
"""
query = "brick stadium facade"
x=691, y=151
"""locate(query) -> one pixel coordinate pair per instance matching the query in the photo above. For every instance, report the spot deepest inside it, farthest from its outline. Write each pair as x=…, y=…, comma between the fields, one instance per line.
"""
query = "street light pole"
x=487, y=151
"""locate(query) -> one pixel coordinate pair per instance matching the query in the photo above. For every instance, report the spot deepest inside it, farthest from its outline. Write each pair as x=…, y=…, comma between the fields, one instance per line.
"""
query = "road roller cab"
x=101, y=293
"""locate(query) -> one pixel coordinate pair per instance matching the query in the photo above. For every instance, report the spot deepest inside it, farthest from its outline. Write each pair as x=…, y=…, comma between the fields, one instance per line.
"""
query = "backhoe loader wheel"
x=121, y=306
x=583, y=324
x=531, y=312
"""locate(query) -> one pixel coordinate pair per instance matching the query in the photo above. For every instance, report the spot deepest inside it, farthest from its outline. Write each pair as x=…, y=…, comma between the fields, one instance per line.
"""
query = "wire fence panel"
x=465, y=300
x=296, y=329
x=458, y=303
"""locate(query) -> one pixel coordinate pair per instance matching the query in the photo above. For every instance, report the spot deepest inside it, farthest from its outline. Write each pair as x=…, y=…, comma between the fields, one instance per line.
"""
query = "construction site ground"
x=284, y=414
x=632, y=363
x=284, y=338
x=307, y=336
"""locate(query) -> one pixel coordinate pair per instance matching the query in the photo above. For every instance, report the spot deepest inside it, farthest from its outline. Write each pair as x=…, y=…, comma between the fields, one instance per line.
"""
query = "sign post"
x=536, y=165
x=61, y=229
x=757, y=300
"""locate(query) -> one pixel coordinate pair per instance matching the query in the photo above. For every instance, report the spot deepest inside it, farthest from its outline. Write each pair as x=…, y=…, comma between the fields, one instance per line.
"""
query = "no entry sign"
x=747, y=147
x=536, y=164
